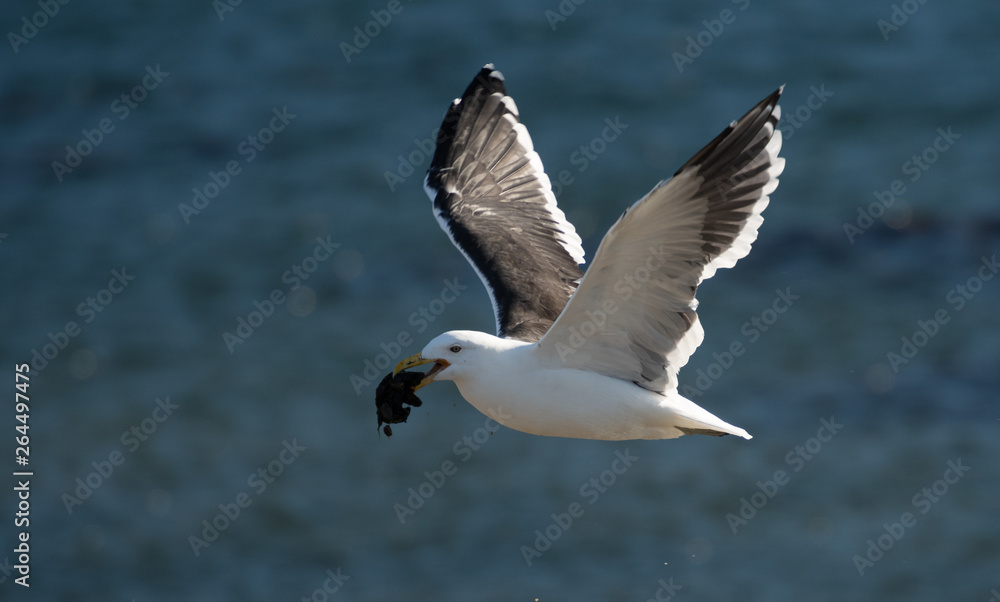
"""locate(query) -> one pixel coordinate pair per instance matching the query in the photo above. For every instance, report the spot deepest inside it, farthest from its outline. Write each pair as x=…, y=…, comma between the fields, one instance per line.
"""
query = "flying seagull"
x=595, y=355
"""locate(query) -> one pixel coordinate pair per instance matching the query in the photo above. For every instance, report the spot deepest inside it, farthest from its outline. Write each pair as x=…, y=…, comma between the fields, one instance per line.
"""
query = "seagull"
x=595, y=355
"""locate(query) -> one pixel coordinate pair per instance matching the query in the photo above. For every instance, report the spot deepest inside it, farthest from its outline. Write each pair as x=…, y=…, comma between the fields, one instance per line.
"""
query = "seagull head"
x=454, y=354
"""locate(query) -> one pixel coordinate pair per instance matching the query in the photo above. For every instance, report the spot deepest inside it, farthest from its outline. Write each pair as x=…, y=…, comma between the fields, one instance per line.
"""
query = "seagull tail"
x=714, y=431
x=691, y=419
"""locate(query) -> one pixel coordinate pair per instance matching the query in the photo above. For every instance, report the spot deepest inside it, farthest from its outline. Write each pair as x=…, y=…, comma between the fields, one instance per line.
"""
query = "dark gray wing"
x=492, y=197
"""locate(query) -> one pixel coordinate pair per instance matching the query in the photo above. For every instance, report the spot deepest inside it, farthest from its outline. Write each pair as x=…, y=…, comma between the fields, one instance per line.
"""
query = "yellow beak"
x=418, y=360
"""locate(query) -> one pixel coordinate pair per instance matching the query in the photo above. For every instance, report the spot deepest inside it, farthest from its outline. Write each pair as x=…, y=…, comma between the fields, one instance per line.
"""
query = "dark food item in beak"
x=392, y=393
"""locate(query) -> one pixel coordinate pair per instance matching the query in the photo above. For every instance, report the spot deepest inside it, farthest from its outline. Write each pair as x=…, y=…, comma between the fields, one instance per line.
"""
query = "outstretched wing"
x=634, y=314
x=492, y=197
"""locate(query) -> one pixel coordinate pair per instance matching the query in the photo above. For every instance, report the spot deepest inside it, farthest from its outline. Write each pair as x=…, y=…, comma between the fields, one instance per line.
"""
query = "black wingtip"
x=488, y=79
x=738, y=133
x=768, y=103
x=776, y=94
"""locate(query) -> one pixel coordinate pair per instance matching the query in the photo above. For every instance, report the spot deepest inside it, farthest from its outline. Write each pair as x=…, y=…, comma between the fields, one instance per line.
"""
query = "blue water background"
x=860, y=102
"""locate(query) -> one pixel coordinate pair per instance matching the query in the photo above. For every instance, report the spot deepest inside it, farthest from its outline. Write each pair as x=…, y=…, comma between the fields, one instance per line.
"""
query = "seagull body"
x=524, y=389
x=590, y=356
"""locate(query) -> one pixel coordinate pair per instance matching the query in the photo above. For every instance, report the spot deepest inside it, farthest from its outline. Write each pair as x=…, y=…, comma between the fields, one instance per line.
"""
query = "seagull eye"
x=455, y=348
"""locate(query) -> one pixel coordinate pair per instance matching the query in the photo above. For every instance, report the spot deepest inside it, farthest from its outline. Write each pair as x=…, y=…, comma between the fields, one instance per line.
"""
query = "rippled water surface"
x=236, y=241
